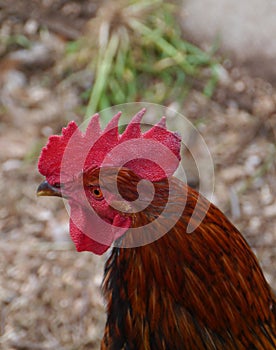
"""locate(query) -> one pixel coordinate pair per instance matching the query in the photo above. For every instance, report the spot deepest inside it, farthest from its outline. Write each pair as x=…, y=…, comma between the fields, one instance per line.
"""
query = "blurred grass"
x=19, y=40
x=134, y=51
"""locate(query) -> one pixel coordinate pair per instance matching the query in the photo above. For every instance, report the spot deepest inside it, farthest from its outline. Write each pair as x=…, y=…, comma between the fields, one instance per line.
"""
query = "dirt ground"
x=49, y=294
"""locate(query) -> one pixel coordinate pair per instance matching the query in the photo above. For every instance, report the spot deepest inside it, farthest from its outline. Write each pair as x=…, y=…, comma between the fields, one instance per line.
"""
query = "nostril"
x=57, y=185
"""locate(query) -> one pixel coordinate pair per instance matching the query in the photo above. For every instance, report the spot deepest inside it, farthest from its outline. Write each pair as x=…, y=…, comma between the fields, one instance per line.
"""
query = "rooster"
x=180, y=275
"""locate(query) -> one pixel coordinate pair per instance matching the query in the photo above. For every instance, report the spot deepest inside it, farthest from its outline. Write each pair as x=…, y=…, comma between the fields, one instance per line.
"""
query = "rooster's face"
x=94, y=211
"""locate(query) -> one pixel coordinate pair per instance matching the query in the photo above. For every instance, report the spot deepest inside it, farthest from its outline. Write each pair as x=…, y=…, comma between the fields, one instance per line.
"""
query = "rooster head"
x=86, y=167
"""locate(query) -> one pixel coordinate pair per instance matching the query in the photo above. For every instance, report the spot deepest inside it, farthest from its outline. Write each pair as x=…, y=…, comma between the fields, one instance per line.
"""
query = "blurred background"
x=212, y=61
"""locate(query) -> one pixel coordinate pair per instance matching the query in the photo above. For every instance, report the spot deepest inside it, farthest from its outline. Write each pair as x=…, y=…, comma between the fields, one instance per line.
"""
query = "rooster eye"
x=97, y=193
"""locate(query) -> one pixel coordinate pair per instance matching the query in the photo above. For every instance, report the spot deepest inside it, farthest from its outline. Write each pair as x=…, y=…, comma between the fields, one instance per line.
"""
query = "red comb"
x=151, y=155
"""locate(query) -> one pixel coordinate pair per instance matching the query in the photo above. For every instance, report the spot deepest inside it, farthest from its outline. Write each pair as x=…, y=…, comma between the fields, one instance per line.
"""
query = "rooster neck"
x=200, y=288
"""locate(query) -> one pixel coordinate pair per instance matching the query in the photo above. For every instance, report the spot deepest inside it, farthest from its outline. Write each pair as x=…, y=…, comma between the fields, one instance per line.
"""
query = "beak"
x=45, y=189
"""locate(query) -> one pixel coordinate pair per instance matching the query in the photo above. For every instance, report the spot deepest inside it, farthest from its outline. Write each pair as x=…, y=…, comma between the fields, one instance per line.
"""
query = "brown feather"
x=199, y=290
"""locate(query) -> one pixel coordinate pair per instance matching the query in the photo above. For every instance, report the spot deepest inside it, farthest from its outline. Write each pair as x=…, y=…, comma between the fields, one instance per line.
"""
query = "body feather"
x=199, y=290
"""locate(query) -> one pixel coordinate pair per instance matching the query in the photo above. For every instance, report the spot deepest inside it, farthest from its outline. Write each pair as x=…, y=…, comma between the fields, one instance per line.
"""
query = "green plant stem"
x=164, y=45
x=104, y=66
